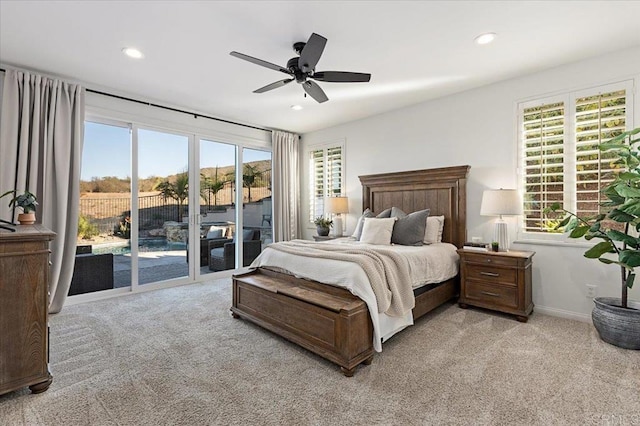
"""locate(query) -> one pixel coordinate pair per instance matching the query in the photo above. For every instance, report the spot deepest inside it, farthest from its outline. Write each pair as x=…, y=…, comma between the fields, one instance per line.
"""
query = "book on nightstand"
x=475, y=246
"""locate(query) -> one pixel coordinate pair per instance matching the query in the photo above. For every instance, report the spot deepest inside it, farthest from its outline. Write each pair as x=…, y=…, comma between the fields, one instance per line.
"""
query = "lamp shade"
x=500, y=202
x=337, y=205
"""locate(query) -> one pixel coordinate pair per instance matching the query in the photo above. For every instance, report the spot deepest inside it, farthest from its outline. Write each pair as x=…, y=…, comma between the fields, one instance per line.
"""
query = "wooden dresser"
x=24, y=300
x=497, y=280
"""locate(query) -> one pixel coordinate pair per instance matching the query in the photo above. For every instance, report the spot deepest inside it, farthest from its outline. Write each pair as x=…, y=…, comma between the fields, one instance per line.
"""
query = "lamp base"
x=501, y=235
x=337, y=226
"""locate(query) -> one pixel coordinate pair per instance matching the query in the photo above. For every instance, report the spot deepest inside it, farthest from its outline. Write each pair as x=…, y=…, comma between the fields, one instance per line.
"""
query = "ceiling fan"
x=303, y=68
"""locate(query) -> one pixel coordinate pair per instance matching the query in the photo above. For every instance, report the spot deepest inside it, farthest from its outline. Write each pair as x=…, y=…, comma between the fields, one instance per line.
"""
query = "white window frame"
x=569, y=150
x=311, y=176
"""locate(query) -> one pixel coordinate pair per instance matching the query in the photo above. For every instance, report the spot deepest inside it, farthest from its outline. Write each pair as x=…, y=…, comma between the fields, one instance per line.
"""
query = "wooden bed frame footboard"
x=330, y=321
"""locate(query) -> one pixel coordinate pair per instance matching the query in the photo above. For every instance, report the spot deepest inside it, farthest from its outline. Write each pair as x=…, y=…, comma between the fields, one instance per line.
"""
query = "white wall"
x=479, y=128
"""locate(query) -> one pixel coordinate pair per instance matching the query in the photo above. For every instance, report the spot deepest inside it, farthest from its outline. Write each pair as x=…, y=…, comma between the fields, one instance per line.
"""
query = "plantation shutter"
x=334, y=171
x=316, y=207
x=326, y=170
x=598, y=118
x=543, y=142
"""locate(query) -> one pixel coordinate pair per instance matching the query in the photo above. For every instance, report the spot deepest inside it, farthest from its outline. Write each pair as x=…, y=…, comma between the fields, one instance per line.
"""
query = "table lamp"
x=501, y=202
x=337, y=206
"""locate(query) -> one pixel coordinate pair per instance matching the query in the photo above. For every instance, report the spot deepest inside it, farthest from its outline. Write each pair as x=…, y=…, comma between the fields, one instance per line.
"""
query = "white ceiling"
x=414, y=50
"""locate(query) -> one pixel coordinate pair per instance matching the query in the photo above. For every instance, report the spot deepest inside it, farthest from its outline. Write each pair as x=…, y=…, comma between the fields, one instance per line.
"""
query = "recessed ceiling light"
x=132, y=52
x=296, y=107
x=485, y=38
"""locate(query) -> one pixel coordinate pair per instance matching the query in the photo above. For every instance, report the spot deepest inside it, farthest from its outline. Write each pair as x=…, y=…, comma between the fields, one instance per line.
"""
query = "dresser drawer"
x=491, y=294
x=489, y=259
x=491, y=273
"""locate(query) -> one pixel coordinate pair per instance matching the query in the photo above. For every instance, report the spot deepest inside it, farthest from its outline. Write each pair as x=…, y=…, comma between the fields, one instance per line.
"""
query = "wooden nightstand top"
x=510, y=253
x=324, y=238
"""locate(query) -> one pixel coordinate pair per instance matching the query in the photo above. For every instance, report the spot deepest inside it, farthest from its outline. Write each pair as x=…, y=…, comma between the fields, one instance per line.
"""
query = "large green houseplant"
x=617, y=320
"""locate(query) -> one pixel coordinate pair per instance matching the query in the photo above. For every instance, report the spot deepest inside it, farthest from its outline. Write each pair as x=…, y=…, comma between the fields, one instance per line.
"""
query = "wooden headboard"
x=442, y=190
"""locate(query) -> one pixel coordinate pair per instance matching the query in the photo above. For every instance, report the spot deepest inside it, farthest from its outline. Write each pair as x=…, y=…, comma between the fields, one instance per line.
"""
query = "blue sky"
x=107, y=152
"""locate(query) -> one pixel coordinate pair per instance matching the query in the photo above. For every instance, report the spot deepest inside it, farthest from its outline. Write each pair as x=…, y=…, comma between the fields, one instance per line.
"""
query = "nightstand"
x=323, y=238
x=500, y=281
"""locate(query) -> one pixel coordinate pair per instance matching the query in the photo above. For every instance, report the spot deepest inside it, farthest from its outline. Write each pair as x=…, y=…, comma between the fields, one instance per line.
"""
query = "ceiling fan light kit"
x=302, y=69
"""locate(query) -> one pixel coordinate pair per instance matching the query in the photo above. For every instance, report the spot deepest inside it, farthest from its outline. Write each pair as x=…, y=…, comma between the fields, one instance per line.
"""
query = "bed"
x=331, y=321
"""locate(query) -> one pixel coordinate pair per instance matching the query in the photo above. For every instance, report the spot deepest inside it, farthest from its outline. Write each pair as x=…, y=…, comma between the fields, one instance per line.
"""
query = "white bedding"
x=428, y=264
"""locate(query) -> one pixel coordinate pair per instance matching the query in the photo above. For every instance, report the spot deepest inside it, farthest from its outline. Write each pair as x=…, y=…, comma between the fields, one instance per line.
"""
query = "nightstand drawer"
x=492, y=274
x=491, y=259
x=492, y=294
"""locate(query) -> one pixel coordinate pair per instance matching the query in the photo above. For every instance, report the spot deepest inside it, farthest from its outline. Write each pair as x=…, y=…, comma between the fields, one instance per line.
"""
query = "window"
x=560, y=159
x=326, y=169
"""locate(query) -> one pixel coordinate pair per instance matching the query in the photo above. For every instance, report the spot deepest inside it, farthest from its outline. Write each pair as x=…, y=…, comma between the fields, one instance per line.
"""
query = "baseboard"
x=563, y=314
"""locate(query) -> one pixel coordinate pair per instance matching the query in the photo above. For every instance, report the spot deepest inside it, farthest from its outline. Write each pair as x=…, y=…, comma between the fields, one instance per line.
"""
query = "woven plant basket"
x=617, y=326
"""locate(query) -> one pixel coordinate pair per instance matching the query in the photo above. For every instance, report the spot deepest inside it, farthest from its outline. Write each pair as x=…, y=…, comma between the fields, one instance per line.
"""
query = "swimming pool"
x=145, y=245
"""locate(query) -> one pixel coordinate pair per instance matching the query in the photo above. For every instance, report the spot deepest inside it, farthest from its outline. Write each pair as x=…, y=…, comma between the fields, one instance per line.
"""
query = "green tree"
x=177, y=190
x=249, y=176
x=209, y=186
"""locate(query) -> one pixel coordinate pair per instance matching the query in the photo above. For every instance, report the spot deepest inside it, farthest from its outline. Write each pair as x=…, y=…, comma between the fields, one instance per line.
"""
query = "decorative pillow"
x=358, y=231
x=433, y=233
x=248, y=234
x=377, y=230
x=409, y=230
x=385, y=213
x=215, y=233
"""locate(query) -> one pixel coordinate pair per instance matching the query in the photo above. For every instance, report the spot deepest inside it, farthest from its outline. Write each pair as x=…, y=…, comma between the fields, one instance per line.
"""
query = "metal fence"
x=107, y=211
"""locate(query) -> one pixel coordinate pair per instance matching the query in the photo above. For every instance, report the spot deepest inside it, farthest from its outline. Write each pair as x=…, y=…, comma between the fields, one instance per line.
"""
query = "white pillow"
x=358, y=231
x=433, y=231
x=377, y=230
x=216, y=232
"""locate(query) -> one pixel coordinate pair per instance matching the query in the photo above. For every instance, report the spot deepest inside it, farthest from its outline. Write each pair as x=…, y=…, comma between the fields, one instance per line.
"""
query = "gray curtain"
x=286, y=193
x=41, y=132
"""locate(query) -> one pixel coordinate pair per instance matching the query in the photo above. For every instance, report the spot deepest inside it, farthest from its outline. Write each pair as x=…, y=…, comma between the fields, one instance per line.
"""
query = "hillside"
x=113, y=184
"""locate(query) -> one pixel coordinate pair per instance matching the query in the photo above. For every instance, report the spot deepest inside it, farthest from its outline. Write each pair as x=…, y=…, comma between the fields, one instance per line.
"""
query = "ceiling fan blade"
x=273, y=85
x=260, y=62
x=341, y=77
x=315, y=91
x=311, y=53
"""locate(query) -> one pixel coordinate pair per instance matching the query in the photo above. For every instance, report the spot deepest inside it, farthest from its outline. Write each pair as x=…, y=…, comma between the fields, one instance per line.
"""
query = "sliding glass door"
x=257, y=216
x=103, y=259
x=217, y=206
x=163, y=206
x=194, y=207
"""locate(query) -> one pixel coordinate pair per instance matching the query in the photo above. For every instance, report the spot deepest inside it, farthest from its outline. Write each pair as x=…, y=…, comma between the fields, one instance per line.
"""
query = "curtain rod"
x=194, y=114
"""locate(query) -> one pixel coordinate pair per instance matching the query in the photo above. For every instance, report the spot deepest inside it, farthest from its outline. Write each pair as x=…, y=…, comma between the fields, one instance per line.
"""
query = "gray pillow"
x=215, y=233
x=358, y=231
x=247, y=234
x=385, y=213
x=409, y=228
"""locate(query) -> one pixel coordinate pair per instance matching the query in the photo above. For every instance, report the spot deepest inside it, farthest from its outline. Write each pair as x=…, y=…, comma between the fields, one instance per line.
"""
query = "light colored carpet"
x=176, y=356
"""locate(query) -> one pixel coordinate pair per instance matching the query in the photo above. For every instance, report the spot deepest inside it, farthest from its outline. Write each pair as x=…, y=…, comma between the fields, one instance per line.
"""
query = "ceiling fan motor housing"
x=292, y=65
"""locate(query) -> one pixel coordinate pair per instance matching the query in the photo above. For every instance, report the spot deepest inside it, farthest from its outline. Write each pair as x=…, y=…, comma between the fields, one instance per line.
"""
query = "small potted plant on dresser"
x=27, y=202
x=616, y=319
x=323, y=226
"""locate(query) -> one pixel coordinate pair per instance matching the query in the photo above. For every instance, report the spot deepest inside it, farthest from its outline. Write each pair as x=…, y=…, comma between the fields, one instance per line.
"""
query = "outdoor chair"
x=222, y=254
x=213, y=234
x=92, y=272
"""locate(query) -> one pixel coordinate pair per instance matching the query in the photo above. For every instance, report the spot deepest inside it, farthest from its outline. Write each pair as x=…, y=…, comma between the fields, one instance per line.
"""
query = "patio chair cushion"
x=215, y=233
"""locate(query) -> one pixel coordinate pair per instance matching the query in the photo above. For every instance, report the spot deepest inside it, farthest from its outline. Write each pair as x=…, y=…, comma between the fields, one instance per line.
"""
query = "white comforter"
x=428, y=264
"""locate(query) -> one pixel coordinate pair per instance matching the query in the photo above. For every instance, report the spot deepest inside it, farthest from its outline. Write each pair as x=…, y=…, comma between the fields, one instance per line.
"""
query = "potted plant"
x=323, y=225
x=616, y=319
x=27, y=202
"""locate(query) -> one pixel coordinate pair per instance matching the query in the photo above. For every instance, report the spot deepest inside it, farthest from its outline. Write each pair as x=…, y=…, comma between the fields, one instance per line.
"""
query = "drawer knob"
x=490, y=274
x=487, y=293
x=488, y=260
